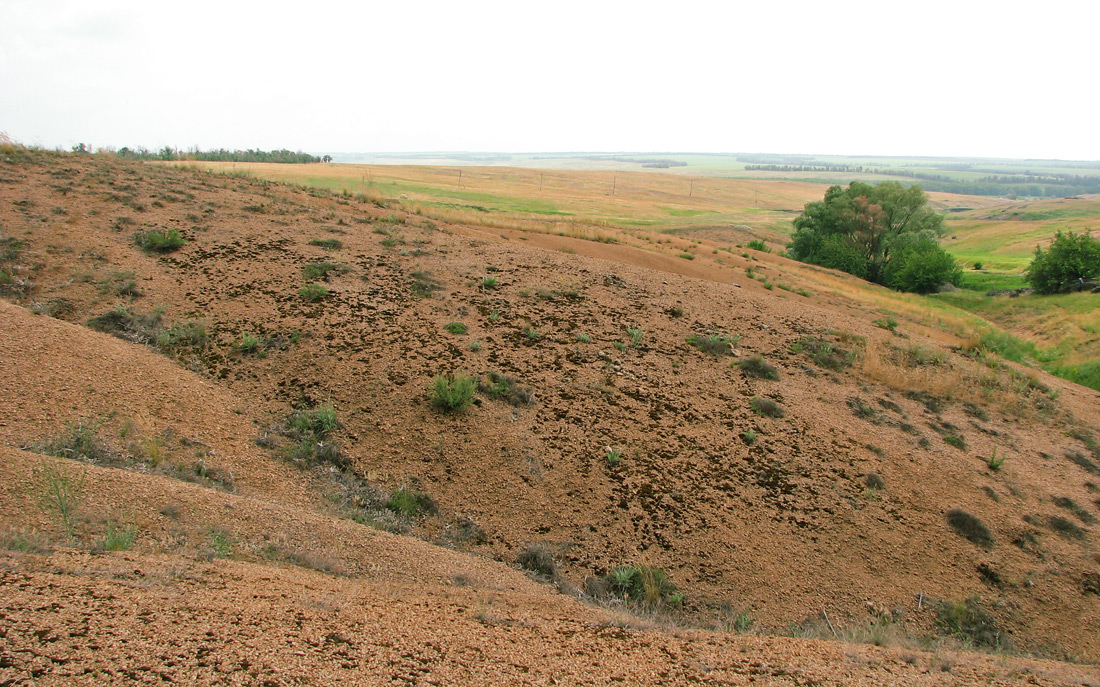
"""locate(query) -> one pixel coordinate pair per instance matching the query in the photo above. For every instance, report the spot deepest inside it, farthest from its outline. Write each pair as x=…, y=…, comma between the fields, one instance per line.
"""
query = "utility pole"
x=691, y=188
x=460, y=178
x=540, y=182
x=614, y=184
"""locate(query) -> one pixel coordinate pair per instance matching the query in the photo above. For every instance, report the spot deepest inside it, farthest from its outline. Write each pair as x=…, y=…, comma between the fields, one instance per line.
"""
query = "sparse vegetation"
x=309, y=431
x=313, y=293
x=956, y=440
x=455, y=327
x=453, y=392
x=755, y=366
x=327, y=244
x=539, y=559
x=714, y=344
x=60, y=490
x=505, y=388
x=970, y=623
x=766, y=407
x=646, y=587
x=155, y=241
x=970, y=528
x=410, y=503
x=887, y=323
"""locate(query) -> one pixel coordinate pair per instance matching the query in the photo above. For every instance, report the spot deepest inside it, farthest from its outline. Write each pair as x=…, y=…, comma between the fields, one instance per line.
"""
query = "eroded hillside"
x=621, y=416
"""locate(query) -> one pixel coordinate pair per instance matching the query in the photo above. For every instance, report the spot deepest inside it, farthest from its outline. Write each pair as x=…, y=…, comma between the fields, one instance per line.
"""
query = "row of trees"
x=219, y=155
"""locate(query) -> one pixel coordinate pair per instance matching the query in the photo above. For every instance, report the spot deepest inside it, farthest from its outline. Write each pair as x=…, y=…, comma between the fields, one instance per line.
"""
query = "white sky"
x=961, y=78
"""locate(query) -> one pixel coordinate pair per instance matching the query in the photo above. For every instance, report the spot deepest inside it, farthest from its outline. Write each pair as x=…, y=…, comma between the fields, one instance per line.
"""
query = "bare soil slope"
x=624, y=443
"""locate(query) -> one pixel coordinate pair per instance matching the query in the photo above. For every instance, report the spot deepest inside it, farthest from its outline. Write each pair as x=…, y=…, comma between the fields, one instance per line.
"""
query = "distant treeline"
x=820, y=167
x=220, y=155
x=657, y=163
x=1051, y=185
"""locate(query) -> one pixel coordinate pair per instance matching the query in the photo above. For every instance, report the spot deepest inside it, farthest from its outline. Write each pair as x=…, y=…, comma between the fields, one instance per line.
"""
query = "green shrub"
x=453, y=392
x=968, y=621
x=249, y=344
x=411, y=503
x=757, y=244
x=316, y=423
x=489, y=283
x=636, y=335
x=958, y=441
x=313, y=293
x=187, y=334
x=766, y=407
x=756, y=366
x=970, y=528
x=1070, y=258
x=506, y=388
x=117, y=538
x=887, y=323
x=749, y=436
x=714, y=344
x=643, y=585
x=825, y=354
x=327, y=244
x=321, y=270
x=455, y=327
x=921, y=268
x=155, y=241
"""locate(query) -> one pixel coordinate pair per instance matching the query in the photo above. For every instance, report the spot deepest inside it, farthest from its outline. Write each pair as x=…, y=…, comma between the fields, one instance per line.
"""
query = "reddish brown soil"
x=785, y=527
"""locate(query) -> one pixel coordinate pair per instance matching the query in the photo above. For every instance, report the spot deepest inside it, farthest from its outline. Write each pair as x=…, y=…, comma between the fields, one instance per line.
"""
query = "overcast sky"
x=961, y=78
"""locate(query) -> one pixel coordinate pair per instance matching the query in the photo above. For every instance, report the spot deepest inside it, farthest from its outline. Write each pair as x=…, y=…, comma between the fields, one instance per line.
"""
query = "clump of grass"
x=313, y=293
x=23, y=540
x=424, y=284
x=687, y=256
x=755, y=366
x=505, y=388
x=970, y=528
x=327, y=244
x=249, y=344
x=874, y=481
x=644, y=586
x=969, y=622
x=824, y=353
x=154, y=241
x=714, y=344
x=994, y=463
x=613, y=455
x=1072, y=506
x=411, y=503
x=1066, y=528
x=455, y=327
x=675, y=311
x=490, y=283
x=189, y=334
x=956, y=440
x=887, y=323
x=532, y=334
x=117, y=538
x=80, y=441
x=60, y=490
x=766, y=407
x=539, y=559
x=757, y=244
x=749, y=436
x=584, y=338
x=451, y=393
x=310, y=430
x=322, y=270
x=636, y=334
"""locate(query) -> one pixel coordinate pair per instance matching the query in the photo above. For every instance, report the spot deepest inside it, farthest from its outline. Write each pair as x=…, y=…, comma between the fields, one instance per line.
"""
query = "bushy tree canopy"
x=1070, y=258
x=863, y=229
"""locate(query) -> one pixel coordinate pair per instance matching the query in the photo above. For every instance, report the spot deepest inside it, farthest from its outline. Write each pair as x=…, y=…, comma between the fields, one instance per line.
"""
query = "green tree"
x=1070, y=259
x=921, y=267
x=860, y=229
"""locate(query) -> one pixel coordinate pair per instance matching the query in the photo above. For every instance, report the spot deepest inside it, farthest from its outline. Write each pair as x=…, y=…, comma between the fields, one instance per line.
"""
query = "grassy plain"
x=711, y=218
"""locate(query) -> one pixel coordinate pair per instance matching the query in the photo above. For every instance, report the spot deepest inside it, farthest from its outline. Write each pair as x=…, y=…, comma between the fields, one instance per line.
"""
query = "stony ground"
x=618, y=442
